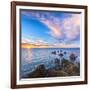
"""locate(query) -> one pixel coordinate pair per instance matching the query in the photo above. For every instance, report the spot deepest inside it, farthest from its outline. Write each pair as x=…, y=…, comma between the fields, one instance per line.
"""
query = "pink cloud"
x=55, y=30
x=71, y=27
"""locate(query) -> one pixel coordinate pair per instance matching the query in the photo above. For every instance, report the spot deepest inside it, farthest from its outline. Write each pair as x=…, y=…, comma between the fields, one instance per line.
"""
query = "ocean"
x=32, y=58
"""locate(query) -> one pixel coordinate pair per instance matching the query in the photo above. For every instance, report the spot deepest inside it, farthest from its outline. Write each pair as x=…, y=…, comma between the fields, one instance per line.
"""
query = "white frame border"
x=56, y=79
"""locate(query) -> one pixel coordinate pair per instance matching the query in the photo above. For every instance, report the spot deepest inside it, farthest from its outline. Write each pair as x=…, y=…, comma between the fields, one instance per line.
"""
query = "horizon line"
x=28, y=45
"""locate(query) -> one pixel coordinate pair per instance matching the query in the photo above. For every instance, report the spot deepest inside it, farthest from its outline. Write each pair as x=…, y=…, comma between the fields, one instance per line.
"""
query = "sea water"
x=32, y=58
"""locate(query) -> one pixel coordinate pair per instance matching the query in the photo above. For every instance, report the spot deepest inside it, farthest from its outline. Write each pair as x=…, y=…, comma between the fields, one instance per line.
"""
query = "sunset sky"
x=51, y=28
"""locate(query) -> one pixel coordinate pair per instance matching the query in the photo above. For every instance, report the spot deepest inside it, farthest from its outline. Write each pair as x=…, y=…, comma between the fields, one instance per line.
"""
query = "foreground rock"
x=67, y=68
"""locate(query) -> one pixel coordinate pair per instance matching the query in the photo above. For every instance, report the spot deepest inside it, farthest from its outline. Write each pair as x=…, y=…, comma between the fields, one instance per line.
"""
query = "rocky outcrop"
x=67, y=68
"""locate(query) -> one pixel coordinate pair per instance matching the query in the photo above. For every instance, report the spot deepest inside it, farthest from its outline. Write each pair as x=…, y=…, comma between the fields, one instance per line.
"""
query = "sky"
x=50, y=27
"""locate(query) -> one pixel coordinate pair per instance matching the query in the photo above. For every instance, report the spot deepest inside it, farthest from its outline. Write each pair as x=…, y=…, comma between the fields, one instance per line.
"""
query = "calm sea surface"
x=31, y=58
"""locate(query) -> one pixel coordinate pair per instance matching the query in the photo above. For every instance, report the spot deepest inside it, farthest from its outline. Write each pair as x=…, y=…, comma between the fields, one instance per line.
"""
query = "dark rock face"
x=70, y=68
x=40, y=71
x=61, y=54
x=72, y=57
x=54, y=52
x=57, y=61
x=65, y=52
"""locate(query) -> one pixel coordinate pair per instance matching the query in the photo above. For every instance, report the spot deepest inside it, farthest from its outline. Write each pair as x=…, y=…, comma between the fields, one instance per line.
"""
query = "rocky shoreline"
x=62, y=68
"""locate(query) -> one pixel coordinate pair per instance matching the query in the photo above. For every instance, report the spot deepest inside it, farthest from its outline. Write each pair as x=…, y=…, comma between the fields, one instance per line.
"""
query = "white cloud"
x=26, y=40
x=71, y=27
